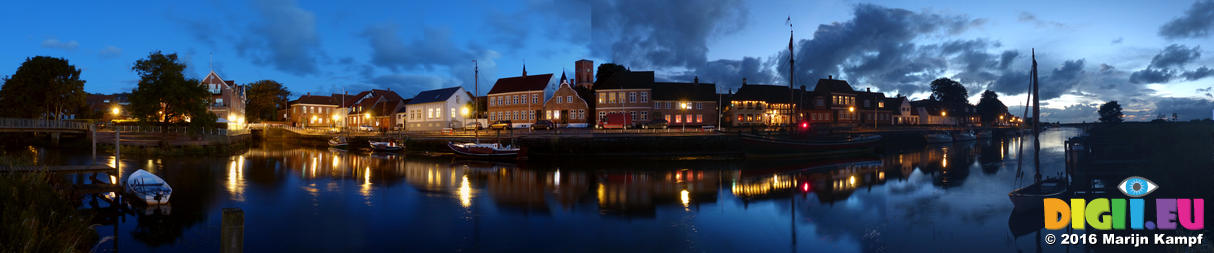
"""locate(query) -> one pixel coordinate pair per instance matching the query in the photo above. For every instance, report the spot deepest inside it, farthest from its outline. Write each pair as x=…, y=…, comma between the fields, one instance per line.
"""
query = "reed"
x=35, y=217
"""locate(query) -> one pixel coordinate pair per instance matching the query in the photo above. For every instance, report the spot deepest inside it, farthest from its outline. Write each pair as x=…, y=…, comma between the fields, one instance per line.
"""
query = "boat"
x=1028, y=199
x=339, y=142
x=964, y=136
x=487, y=150
x=149, y=187
x=779, y=146
x=937, y=137
x=385, y=146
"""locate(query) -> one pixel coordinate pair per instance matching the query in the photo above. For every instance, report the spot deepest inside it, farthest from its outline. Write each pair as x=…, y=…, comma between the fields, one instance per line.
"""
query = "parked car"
x=501, y=125
x=543, y=124
x=655, y=124
x=366, y=128
x=473, y=126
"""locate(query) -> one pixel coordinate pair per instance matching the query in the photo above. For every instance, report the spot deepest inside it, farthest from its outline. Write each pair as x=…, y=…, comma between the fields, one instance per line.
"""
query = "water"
x=935, y=198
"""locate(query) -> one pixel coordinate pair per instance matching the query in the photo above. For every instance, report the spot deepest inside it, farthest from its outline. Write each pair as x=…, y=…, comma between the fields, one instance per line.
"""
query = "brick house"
x=760, y=105
x=685, y=104
x=872, y=109
x=840, y=98
x=227, y=100
x=518, y=99
x=566, y=108
x=313, y=111
x=627, y=93
x=375, y=109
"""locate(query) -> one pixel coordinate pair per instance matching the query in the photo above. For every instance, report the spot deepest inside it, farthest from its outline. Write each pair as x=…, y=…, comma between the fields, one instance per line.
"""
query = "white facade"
x=450, y=113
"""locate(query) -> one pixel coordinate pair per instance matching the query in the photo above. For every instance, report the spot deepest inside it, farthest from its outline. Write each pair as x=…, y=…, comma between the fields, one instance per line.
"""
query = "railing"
x=171, y=129
x=15, y=123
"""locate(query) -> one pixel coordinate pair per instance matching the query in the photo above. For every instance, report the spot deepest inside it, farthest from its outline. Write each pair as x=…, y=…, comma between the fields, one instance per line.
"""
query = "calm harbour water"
x=936, y=198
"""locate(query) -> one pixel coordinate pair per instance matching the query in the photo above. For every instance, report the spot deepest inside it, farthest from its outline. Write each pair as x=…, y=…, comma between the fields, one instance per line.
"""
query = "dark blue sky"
x=1148, y=55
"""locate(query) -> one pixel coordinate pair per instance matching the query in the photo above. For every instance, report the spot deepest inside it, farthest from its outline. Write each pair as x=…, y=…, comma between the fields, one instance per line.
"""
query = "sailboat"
x=476, y=148
x=1028, y=198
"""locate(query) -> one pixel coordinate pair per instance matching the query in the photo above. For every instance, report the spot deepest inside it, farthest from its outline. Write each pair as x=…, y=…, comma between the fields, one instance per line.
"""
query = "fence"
x=174, y=129
x=15, y=123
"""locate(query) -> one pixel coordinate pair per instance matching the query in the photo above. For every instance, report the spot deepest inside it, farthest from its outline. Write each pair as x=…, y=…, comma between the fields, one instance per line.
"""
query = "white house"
x=437, y=109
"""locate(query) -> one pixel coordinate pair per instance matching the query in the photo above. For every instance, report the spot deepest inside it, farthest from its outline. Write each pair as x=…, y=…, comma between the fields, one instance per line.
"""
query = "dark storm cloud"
x=1062, y=79
x=1168, y=64
x=877, y=47
x=1198, y=73
x=1185, y=108
x=1006, y=58
x=434, y=49
x=655, y=34
x=728, y=74
x=285, y=38
x=408, y=85
x=1195, y=23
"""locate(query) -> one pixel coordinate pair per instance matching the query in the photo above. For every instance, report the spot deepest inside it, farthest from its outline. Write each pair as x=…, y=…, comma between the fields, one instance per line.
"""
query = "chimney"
x=309, y=93
x=868, y=89
x=743, y=81
x=696, y=80
x=830, y=77
x=802, y=87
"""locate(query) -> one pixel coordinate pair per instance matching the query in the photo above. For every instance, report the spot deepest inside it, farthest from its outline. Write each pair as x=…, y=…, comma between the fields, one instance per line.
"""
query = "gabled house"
x=566, y=108
x=761, y=105
x=518, y=99
x=374, y=109
x=901, y=111
x=313, y=111
x=686, y=104
x=840, y=98
x=934, y=113
x=227, y=100
x=626, y=93
x=873, y=109
x=434, y=110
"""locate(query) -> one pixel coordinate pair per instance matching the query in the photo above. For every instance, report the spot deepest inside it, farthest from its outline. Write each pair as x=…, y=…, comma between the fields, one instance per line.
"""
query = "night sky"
x=1149, y=55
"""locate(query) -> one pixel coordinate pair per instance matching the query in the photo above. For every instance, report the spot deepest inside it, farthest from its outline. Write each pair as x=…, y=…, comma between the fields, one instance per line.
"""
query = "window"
x=531, y=114
x=699, y=105
x=632, y=97
x=866, y=103
x=515, y=100
x=600, y=97
x=602, y=115
x=644, y=97
x=548, y=114
x=452, y=112
x=556, y=114
x=667, y=117
x=535, y=99
x=632, y=115
x=568, y=99
x=699, y=118
x=558, y=99
x=611, y=97
x=644, y=115
x=678, y=118
x=881, y=104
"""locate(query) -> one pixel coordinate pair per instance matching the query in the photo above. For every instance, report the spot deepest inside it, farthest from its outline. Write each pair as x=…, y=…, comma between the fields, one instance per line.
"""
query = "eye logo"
x=1137, y=187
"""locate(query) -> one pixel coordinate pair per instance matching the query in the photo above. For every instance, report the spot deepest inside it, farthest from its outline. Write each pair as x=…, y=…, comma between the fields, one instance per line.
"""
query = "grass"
x=35, y=217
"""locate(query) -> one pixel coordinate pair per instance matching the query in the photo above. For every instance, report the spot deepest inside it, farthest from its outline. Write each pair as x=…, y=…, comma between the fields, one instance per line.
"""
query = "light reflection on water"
x=949, y=198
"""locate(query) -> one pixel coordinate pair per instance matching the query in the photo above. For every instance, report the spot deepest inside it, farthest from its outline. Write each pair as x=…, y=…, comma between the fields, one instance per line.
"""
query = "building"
x=839, y=97
x=374, y=110
x=566, y=108
x=872, y=109
x=107, y=107
x=761, y=105
x=933, y=113
x=686, y=104
x=313, y=111
x=584, y=74
x=627, y=93
x=227, y=100
x=434, y=110
x=902, y=112
x=518, y=99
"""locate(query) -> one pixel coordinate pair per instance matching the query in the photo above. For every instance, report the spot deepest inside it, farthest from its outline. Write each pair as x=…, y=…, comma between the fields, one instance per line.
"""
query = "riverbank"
x=36, y=217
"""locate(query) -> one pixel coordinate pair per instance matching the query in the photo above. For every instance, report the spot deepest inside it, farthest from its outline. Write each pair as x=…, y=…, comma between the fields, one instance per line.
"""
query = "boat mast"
x=476, y=89
x=1036, y=122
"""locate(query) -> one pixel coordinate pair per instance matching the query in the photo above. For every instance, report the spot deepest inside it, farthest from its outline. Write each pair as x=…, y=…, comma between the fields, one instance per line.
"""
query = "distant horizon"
x=1153, y=63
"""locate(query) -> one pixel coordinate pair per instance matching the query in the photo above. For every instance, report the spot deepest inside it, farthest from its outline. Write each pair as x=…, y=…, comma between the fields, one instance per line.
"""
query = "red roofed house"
x=227, y=99
x=518, y=99
x=375, y=109
x=566, y=108
x=313, y=111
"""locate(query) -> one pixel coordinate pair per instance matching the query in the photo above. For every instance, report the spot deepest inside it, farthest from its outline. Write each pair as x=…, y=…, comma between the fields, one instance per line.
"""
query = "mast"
x=476, y=89
x=792, y=73
x=1036, y=122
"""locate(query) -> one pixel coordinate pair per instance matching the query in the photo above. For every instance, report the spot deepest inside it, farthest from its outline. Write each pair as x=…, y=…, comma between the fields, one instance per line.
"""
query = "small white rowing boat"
x=149, y=187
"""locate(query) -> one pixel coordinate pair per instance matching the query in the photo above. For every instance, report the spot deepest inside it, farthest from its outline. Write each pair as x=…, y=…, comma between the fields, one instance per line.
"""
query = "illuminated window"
x=644, y=115
x=699, y=118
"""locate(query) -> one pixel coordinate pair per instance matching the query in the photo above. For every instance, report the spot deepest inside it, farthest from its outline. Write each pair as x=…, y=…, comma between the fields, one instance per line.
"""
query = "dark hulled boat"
x=779, y=146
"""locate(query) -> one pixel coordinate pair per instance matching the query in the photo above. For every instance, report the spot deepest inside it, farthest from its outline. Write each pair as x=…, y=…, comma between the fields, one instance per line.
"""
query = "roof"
x=833, y=85
x=763, y=92
x=435, y=95
x=684, y=91
x=314, y=100
x=344, y=100
x=521, y=83
x=628, y=80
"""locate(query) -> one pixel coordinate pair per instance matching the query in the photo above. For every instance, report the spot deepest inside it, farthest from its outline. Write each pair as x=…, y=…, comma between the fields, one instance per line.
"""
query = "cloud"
x=109, y=52
x=727, y=74
x=1166, y=65
x=1198, y=73
x=1118, y=40
x=285, y=38
x=434, y=51
x=1195, y=23
x=1032, y=19
x=56, y=44
x=408, y=85
x=1185, y=108
x=877, y=46
x=659, y=34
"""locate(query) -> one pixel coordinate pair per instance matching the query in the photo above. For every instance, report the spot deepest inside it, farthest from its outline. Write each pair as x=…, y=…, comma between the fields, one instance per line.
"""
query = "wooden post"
x=93, y=139
x=117, y=150
x=232, y=230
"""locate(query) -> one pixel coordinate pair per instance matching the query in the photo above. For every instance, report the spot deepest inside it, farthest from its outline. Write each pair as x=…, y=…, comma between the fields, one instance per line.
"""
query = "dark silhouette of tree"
x=43, y=87
x=266, y=98
x=1110, y=112
x=606, y=70
x=989, y=107
x=949, y=91
x=164, y=95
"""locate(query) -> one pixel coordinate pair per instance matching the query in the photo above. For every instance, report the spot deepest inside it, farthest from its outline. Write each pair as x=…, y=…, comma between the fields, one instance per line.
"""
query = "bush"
x=34, y=217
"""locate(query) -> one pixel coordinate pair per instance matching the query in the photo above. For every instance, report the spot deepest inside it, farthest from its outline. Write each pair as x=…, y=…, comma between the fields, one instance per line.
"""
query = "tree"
x=989, y=107
x=43, y=87
x=164, y=95
x=606, y=70
x=949, y=91
x=1110, y=112
x=266, y=98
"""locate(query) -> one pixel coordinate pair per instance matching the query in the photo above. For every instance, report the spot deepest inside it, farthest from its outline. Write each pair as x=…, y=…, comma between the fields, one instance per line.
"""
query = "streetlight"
x=683, y=109
x=116, y=111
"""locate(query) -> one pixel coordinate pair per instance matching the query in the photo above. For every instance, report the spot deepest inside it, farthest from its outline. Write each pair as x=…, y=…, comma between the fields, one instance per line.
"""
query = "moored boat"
x=774, y=146
x=149, y=187
x=339, y=142
x=1028, y=198
x=964, y=136
x=487, y=150
x=937, y=137
x=385, y=146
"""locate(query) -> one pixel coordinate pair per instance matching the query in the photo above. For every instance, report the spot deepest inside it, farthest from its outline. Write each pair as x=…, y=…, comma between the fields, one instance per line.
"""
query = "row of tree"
x=50, y=88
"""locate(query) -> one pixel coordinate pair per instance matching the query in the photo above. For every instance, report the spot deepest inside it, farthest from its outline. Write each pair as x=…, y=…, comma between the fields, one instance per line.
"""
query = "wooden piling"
x=232, y=230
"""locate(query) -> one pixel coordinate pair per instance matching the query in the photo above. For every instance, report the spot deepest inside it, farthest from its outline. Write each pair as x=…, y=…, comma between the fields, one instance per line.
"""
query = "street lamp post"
x=683, y=110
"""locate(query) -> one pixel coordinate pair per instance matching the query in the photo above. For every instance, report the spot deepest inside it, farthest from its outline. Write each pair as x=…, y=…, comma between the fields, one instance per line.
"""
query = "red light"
x=804, y=124
x=805, y=187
